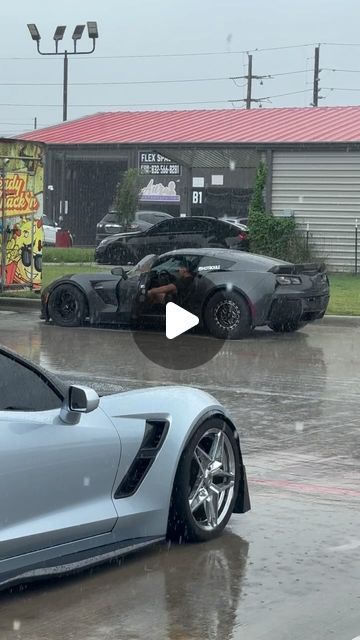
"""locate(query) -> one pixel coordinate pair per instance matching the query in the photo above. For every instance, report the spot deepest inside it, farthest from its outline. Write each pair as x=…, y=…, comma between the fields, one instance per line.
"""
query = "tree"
x=127, y=197
x=257, y=203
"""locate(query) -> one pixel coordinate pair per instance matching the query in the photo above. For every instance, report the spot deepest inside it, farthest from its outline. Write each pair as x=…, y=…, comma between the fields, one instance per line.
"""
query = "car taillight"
x=242, y=235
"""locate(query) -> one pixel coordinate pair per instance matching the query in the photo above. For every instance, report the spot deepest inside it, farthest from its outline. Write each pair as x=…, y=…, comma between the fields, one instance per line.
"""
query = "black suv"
x=109, y=224
x=174, y=233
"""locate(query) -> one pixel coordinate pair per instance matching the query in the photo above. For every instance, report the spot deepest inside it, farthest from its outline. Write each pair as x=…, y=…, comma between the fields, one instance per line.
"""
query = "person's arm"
x=160, y=292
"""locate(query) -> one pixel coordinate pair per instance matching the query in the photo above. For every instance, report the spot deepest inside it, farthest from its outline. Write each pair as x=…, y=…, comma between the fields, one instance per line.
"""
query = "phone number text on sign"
x=160, y=169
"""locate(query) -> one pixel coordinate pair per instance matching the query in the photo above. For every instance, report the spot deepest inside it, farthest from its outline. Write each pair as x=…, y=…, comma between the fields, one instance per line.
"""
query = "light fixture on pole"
x=34, y=32
x=78, y=31
x=58, y=36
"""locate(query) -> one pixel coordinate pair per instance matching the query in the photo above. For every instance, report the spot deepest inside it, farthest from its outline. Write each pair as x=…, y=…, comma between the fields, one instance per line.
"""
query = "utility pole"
x=249, y=82
x=316, y=77
x=249, y=77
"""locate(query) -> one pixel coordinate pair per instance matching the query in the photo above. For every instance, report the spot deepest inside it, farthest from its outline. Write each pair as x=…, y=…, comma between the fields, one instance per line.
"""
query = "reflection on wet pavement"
x=287, y=570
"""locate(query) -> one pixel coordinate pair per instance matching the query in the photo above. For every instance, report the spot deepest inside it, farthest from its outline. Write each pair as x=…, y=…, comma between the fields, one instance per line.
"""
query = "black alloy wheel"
x=67, y=306
x=227, y=315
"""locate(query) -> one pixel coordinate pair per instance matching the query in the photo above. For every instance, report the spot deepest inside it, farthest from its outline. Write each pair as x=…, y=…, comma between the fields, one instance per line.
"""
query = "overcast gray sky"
x=148, y=27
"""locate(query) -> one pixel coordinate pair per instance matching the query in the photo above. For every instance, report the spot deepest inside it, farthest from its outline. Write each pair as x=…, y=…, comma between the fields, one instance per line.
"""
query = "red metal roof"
x=322, y=124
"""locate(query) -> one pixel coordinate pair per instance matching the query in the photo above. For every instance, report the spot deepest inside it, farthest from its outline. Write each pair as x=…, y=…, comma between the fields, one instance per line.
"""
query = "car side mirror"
x=79, y=400
x=119, y=271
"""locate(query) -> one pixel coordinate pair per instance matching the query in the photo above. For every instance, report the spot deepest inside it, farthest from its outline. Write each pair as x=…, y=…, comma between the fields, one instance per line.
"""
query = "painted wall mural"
x=21, y=210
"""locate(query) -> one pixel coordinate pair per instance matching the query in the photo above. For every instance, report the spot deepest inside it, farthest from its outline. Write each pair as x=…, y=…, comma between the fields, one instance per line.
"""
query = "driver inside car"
x=180, y=288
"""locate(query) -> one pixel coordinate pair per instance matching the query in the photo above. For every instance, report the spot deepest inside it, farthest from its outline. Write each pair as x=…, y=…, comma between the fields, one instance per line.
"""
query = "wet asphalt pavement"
x=289, y=569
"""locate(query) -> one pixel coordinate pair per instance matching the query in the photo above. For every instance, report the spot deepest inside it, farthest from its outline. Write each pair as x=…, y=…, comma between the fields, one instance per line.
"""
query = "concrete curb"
x=338, y=321
x=24, y=303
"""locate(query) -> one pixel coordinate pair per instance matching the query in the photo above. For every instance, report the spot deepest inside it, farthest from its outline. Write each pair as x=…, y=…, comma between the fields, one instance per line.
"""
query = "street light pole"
x=65, y=86
x=58, y=35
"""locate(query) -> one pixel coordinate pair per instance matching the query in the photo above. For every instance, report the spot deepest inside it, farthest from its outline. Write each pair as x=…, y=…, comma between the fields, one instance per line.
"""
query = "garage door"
x=323, y=191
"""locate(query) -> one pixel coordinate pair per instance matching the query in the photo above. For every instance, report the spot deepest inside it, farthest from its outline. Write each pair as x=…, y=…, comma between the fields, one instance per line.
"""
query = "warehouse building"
x=204, y=162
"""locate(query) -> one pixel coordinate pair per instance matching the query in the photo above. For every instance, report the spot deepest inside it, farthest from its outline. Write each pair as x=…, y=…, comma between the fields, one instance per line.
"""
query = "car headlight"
x=288, y=280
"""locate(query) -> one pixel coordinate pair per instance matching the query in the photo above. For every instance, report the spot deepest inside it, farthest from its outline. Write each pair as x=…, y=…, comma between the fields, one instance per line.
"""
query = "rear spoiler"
x=311, y=268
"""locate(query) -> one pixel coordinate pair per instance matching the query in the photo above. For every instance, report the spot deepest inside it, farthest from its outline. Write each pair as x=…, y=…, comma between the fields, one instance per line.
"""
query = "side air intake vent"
x=154, y=436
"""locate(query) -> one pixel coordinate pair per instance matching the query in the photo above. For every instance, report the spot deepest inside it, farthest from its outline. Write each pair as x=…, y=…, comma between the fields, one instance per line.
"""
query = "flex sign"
x=154, y=164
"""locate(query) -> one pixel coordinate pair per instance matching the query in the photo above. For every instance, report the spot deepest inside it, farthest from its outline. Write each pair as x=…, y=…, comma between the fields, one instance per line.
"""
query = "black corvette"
x=230, y=291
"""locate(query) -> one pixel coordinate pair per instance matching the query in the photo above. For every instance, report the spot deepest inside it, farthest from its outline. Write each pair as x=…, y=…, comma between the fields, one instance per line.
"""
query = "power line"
x=291, y=93
x=135, y=104
x=125, y=82
x=341, y=89
x=340, y=44
x=288, y=73
x=140, y=82
x=16, y=124
x=179, y=55
x=279, y=95
x=340, y=70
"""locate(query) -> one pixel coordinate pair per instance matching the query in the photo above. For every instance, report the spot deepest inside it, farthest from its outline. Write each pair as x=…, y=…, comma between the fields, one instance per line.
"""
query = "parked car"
x=173, y=233
x=50, y=228
x=109, y=224
x=55, y=235
x=231, y=292
x=87, y=479
x=235, y=220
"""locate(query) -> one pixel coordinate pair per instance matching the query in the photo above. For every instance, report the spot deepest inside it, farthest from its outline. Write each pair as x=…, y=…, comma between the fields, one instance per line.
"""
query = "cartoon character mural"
x=21, y=182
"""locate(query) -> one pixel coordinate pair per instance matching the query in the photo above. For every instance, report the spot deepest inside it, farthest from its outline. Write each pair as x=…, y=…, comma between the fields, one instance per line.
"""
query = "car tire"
x=203, y=500
x=288, y=326
x=67, y=306
x=227, y=315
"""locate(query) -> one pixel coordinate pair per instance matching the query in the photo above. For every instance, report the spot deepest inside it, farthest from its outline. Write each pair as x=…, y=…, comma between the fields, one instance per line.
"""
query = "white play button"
x=178, y=320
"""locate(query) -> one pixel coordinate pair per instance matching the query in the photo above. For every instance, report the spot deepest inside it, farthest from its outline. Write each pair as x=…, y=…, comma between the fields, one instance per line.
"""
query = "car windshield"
x=111, y=218
x=143, y=266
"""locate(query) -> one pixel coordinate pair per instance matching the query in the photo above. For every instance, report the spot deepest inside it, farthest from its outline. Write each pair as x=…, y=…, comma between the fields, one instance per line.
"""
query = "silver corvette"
x=86, y=479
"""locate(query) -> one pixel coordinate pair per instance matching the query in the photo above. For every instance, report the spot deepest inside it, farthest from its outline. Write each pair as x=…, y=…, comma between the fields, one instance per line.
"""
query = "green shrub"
x=127, y=197
x=270, y=236
x=70, y=254
x=277, y=237
x=257, y=200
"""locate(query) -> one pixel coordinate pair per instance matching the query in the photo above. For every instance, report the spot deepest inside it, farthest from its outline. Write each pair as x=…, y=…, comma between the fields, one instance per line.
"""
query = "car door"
x=56, y=479
x=194, y=232
x=162, y=236
x=166, y=271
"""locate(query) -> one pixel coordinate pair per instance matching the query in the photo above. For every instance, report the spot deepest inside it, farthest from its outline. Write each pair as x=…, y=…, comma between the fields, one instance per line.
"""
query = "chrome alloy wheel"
x=227, y=314
x=212, y=479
